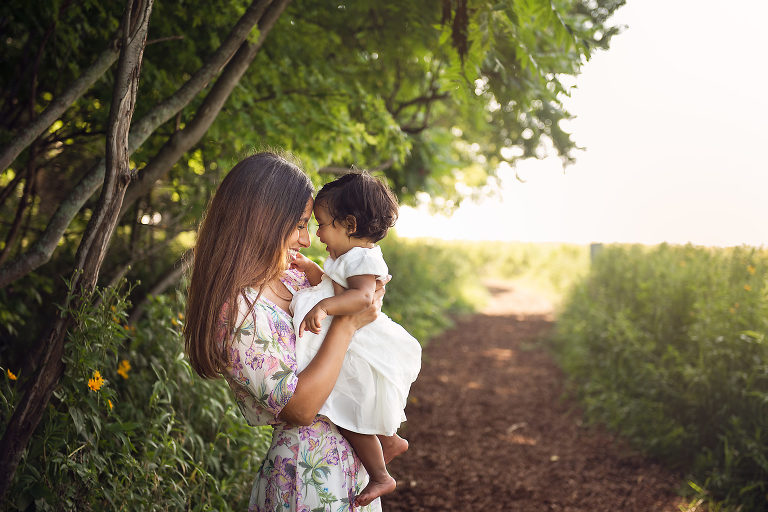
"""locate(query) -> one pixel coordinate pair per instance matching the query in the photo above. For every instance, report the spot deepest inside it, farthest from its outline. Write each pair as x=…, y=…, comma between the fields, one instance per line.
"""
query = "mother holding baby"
x=239, y=327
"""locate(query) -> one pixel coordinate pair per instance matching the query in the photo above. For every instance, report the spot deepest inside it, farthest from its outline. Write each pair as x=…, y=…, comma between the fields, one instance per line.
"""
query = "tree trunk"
x=42, y=249
x=90, y=253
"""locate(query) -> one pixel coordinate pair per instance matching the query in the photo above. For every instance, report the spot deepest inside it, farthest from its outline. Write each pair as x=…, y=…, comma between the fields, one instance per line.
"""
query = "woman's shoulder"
x=258, y=318
x=250, y=308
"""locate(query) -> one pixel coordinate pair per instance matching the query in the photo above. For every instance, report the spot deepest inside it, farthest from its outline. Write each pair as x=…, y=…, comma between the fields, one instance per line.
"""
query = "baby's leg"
x=368, y=448
x=392, y=446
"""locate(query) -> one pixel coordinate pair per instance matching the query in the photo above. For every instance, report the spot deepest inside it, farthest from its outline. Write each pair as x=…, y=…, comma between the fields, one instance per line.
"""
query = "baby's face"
x=333, y=234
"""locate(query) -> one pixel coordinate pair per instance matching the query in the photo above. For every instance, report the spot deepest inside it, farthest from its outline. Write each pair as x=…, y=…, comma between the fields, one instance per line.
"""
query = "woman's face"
x=299, y=237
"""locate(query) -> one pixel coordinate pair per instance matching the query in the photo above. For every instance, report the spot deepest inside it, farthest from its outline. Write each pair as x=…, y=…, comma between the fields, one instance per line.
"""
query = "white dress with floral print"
x=307, y=469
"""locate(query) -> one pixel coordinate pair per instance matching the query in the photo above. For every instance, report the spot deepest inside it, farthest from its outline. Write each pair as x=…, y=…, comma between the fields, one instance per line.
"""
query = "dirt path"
x=490, y=431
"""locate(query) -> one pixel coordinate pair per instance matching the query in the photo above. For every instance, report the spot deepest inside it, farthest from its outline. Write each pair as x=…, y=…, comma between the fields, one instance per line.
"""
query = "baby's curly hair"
x=367, y=199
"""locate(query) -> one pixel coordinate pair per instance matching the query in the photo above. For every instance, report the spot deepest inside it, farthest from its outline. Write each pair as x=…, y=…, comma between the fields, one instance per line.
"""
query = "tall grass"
x=669, y=346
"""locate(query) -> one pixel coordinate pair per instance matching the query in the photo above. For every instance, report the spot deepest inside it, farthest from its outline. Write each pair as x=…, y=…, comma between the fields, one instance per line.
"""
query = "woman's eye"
x=301, y=226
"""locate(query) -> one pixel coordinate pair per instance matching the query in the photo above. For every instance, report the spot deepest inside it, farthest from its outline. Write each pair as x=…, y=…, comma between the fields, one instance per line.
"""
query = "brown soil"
x=490, y=429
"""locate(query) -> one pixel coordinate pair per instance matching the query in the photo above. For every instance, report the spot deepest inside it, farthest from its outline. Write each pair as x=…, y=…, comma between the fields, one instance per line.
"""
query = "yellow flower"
x=123, y=368
x=747, y=287
x=174, y=321
x=96, y=381
x=11, y=375
x=113, y=308
x=751, y=270
x=732, y=310
x=181, y=317
x=109, y=403
x=114, y=319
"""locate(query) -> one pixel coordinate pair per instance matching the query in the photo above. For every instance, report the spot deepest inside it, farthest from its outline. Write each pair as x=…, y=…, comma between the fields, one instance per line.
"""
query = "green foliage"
x=429, y=95
x=131, y=427
x=430, y=284
x=668, y=346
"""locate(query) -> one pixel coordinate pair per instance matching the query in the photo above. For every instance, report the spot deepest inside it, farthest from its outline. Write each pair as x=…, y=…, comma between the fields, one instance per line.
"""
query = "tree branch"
x=22, y=206
x=345, y=170
x=57, y=107
x=421, y=100
x=42, y=249
x=183, y=140
x=169, y=278
x=164, y=39
x=11, y=187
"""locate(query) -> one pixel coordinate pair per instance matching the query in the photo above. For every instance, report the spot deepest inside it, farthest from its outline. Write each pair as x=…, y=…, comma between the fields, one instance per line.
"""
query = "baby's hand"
x=311, y=269
x=300, y=261
x=312, y=320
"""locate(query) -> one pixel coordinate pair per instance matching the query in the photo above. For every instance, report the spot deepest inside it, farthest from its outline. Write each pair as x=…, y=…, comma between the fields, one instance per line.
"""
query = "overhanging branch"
x=41, y=250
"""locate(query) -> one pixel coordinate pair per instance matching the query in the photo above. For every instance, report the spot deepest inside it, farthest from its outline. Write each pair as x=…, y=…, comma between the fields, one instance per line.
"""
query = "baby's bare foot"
x=375, y=488
x=392, y=446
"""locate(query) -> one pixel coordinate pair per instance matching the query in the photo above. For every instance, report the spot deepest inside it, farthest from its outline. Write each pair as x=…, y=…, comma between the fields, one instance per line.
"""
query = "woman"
x=239, y=326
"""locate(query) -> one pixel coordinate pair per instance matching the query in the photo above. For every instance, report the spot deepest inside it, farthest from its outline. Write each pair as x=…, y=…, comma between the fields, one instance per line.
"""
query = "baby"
x=353, y=213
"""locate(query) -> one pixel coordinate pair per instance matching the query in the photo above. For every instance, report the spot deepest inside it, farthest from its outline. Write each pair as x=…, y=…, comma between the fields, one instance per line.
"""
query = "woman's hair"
x=367, y=199
x=241, y=243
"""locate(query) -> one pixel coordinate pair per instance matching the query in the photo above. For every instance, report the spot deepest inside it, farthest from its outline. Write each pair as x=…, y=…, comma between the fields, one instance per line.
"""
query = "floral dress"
x=307, y=468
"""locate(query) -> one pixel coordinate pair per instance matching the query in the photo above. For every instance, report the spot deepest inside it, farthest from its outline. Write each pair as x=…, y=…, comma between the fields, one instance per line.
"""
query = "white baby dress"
x=382, y=359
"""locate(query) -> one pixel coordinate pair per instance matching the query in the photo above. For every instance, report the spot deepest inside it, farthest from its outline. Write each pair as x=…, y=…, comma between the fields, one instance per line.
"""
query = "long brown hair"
x=241, y=244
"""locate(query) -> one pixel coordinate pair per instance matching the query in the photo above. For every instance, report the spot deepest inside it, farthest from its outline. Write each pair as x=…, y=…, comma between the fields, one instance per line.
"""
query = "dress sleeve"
x=295, y=279
x=261, y=363
x=359, y=261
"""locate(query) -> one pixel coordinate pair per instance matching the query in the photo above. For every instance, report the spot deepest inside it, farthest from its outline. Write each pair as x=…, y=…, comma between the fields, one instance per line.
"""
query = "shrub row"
x=669, y=346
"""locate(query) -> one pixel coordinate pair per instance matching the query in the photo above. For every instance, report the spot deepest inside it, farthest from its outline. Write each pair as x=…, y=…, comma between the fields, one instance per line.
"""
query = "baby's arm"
x=357, y=297
x=311, y=269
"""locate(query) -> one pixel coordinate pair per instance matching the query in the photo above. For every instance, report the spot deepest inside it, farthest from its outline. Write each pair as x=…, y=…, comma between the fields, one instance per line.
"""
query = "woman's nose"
x=304, y=238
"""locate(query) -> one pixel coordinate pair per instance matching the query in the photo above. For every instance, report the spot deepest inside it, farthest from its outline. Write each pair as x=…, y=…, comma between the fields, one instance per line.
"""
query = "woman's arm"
x=356, y=298
x=316, y=381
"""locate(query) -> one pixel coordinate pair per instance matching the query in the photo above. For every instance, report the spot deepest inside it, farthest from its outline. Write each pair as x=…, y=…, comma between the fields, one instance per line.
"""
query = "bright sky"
x=674, y=118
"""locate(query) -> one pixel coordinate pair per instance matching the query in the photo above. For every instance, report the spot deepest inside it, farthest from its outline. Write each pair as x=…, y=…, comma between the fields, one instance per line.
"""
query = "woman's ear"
x=351, y=224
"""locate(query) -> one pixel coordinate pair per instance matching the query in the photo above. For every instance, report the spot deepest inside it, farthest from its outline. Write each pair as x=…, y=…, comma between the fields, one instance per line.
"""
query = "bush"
x=131, y=427
x=669, y=347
